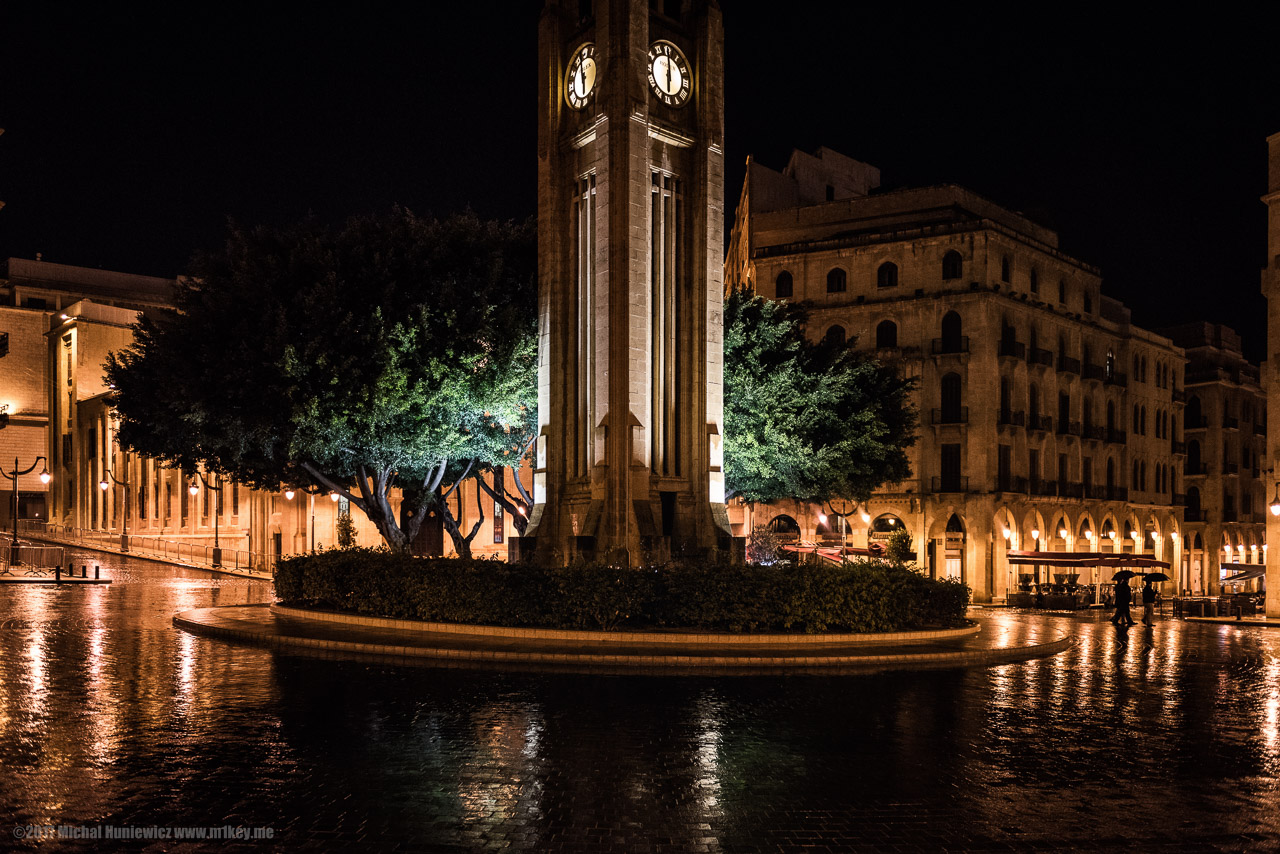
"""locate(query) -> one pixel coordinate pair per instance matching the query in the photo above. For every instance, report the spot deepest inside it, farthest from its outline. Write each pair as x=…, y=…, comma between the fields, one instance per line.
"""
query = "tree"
x=390, y=351
x=802, y=420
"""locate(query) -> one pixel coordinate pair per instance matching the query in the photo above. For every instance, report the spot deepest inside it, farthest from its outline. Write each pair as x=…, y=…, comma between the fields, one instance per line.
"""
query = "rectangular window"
x=499, y=519
x=584, y=225
x=186, y=504
x=950, y=467
x=1063, y=471
x=666, y=213
x=93, y=443
x=235, y=499
x=1033, y=467
x=1086, y=472
x=1004, y=473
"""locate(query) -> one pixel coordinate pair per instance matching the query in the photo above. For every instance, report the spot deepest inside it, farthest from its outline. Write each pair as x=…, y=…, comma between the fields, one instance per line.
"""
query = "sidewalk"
x=339, y=634
x=98, y=547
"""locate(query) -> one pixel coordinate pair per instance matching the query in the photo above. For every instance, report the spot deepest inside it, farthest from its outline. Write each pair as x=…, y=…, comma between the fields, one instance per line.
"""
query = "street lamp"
x=843, y=512
x=217, y=511
x=311, y=495
x=1275, y=502
x=104, y=485
x=45, y=477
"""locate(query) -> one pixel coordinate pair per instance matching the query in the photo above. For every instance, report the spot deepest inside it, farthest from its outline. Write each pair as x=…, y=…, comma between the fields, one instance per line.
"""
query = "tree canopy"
x=393, y=350
x=804, y=420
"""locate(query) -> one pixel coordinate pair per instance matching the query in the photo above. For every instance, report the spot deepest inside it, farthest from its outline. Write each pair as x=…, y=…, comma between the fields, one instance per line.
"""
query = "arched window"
x=1137, y=422
x=887, y=275
x=1035, y=281
x=836, y=281
x=1144, y=476
x=1193, y=500
x=952, y=265
x=952, y=341
x=1062, y=291
x=1088, y=303
x=785, y=527
x=1033, y=406
x=954, y=525
x=1110, y=365
x=886, y=334
x=1006, y=269
x=1111, y=475
x=1136, y=375
x=1134, y=481
x=951, y=398
x=1193, y=458
x=886, y=524
x=784, y=286
x=1143, y=421
x=835, y=335
x=1111, y=416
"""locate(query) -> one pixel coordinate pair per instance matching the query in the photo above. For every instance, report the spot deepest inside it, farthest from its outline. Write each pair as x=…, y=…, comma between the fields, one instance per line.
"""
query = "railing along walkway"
x=187, y=554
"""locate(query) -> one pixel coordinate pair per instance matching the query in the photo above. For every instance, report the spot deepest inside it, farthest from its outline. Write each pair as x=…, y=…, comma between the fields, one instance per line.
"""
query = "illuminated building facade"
x=1048, y=420
x=1271, y=290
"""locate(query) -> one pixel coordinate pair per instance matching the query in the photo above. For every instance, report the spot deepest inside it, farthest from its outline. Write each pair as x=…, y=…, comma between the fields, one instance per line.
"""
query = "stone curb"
x=1232, y=621
x=675, y=638
x=199, y=622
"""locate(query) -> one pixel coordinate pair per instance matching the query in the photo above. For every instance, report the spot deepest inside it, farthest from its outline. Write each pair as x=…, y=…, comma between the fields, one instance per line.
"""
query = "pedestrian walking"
x=1148, y=602
x=1123, y=597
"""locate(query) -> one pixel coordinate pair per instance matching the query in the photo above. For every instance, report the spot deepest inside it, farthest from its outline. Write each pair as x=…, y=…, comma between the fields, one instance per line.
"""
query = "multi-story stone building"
x=1226, y=430
x=1271, y=290
x=1048, y=420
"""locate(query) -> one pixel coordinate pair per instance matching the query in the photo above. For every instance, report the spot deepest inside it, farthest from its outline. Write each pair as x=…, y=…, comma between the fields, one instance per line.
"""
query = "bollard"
x=95, y=571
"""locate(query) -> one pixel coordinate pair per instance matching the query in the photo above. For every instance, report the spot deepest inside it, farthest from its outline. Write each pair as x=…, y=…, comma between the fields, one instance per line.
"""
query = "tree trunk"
x=519, y=513
x=461, y=542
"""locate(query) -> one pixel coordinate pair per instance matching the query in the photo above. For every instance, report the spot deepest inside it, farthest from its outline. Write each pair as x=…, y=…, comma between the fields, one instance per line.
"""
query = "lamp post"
x=311, y=494
x=104, y=485
x=843, y=512
x=45, y=477
x=1275, y=502
x=217, y=511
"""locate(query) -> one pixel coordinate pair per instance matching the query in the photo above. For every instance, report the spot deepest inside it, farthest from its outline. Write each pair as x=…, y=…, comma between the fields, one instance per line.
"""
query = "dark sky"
x=130, y=138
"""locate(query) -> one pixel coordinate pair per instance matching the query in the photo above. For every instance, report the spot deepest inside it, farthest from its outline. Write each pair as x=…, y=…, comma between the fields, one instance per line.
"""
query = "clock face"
x=669, y=75
x=581, y=79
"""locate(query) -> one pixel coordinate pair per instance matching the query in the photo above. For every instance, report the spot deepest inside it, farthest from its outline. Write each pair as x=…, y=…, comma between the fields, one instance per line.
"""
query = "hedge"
x=868, y=596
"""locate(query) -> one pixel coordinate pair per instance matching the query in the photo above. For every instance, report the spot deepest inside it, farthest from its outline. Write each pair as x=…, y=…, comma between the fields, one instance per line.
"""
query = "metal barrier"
x=30, y=559
x=194, y=554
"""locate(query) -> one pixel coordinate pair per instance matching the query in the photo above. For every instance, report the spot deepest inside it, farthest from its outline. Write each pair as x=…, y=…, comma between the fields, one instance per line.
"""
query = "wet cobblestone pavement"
x=111, y=716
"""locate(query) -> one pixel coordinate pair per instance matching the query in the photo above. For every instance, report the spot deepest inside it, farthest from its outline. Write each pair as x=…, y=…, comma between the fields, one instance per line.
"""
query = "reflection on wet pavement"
x=1154, y=739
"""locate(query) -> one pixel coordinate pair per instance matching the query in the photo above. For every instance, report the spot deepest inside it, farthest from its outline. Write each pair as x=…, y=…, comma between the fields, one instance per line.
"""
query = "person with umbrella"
x=1149, y=596
x=1123, y=597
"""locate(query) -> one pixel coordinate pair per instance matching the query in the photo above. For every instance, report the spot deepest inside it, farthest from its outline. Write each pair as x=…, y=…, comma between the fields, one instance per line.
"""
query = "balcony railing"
x=1015, y=417
x=1117, y=493
x=1095, y=492
x=1195, y=469
x=1259, y=429
x=1230, y=422
x=951, y=416
x=1071, y=490
x=1040, y=356
x=1117, y=379
x=1180, y=395
x=1094, y=372
x=942, y=346
x=1011, y=484
x=1039, y=422
x=1069, y=365
x=1116, y=436
x=1013, y=349
x=1194, y=515
x=1192, y=422
x=1179, y=448
x=1230, y=516
x=1179, y=499
x=1068, y=428
x=1230, y=468
x=1095, y=432
x=960, y=483
x=1044, y=487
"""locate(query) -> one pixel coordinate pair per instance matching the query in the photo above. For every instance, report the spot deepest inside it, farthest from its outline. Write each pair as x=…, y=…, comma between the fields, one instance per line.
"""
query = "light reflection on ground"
x=1154, y=739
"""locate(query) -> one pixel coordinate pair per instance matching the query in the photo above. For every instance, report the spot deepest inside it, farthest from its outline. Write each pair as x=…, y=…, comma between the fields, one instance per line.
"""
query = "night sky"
x=130, y=139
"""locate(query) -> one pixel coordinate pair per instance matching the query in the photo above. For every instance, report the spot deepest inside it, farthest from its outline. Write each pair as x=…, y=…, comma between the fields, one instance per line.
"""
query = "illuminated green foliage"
x=391, y=351
x=803, y=420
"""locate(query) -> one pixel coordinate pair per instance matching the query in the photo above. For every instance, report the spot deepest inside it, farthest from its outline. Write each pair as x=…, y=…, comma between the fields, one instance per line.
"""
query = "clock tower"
x=630, y=251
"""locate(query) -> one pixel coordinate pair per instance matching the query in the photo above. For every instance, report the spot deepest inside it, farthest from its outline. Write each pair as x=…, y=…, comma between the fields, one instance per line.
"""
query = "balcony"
x=1230, y=516
x=1195, y=423
x=1044, y=487
x=1094, y=372
x=1117, y=379
x=1259, y=429
x=1012, y=349
x=958, y=415
x=1116, y=437
x=1040, y=356
x=959, y=483
x=1016, y=418
x=1179, y=499
x=1094, y=432
x=1179, y=448
x=1180, y=395
x=1194, y=515
x=1068, y=428
x=1095, y=492
x=1068, y=365
x=1071, y=490
x=1195, y=469
x=1039, y=422
x=1117, y=493
x=1230, y=423
x=1230, y=468
x=1011, y=484
x=945, y=346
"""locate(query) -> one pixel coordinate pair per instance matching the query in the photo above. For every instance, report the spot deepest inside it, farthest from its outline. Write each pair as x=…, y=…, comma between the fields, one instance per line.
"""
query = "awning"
x=1084, y=559
x=1247, y=575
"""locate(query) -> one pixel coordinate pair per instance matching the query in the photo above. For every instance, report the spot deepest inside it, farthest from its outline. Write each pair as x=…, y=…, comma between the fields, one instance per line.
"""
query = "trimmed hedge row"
x=869, y=596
